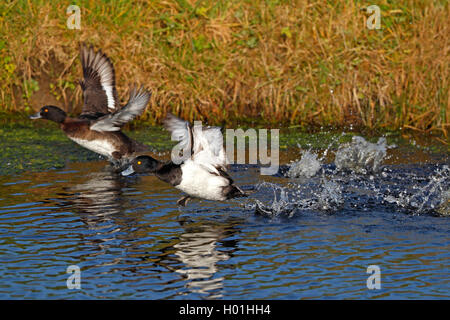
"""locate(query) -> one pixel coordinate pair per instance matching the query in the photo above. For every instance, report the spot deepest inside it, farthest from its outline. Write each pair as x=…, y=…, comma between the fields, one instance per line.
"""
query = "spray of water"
x=279, y=205
x=359, y=182
x=432, y=197
x=307, y=167
x=330, y=197
x=444, y=206
x=310, y=163
x=361, y=156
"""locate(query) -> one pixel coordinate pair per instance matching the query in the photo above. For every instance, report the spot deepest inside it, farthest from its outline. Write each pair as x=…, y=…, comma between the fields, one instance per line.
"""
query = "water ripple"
x=312, y=239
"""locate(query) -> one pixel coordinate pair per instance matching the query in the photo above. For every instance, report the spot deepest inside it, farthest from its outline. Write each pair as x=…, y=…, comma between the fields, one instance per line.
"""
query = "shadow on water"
x=309, y=231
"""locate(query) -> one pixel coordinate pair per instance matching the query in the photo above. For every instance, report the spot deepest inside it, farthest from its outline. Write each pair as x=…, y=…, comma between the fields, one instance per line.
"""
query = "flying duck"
x=98, y=126
x=201, y=173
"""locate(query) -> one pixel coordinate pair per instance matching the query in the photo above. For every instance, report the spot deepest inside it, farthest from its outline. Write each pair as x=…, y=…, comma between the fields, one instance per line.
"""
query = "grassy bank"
x=304, y=63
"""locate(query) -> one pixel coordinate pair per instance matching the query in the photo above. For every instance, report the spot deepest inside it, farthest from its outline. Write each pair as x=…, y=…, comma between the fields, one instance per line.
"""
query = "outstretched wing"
x=211, y=152
x=215, y=142
x=135, y=106
x=205, y=143
x=98, y=84
x=180, y=131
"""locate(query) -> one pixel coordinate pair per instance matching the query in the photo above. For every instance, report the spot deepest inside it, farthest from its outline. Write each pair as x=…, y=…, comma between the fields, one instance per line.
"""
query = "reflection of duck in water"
x=99, y=195
x=200, y=248
x=99, y=205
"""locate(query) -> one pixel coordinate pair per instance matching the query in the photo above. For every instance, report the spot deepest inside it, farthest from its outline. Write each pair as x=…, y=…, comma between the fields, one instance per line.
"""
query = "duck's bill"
x=36, y=116
x=128, y=171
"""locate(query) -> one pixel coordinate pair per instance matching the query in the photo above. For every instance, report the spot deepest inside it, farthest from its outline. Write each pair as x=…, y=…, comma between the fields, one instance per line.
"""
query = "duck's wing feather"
x=98, y=84
x=215, y=143
x=205, y=143
x=210, y=150
x=180, y=131
x=135, y=106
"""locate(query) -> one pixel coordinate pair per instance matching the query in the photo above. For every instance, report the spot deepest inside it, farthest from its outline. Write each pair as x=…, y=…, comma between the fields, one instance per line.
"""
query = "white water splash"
x=330, y=198
x=444, y=206
x=434, y=196
x=361, y=156
x=310, y=163
x=281, y=205
x=327, y=195
x=327, y=190
x=307, y=167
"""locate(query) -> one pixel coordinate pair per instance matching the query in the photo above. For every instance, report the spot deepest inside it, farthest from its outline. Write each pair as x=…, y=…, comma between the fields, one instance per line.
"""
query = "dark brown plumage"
x=98, y=126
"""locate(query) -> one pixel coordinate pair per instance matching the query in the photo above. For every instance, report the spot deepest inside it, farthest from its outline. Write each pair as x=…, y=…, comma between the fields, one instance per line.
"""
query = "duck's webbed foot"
x=183, y=201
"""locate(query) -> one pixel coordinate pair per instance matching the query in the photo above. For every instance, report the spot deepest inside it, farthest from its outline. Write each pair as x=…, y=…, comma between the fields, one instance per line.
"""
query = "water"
x=299, y=236
x=307, y=167
x=360, y=155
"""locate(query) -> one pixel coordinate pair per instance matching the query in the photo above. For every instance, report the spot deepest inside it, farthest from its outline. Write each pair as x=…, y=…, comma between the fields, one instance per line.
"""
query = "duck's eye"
x=139, y=162
x=45, y=110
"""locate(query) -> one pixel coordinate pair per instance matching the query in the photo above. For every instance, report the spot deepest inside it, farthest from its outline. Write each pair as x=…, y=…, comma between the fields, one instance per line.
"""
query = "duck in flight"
x=98, y=127
x=202, y=173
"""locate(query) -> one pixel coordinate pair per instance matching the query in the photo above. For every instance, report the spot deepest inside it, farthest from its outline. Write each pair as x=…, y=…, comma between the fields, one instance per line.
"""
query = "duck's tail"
x=234, y=192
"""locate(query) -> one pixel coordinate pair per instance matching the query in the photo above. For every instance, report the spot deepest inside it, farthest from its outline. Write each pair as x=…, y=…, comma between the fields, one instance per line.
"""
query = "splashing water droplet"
x=307, y=167
x=361, y=156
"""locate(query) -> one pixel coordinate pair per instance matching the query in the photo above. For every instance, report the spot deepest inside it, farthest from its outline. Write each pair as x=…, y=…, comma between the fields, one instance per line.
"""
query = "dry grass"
x=303, y=62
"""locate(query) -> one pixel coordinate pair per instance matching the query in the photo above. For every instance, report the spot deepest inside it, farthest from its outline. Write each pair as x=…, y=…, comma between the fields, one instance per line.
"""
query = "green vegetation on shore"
x=303, y=63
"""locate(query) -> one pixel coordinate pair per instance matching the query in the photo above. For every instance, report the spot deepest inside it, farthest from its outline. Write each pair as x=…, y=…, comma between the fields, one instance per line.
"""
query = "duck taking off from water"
x=98, y=127
x=200, y=174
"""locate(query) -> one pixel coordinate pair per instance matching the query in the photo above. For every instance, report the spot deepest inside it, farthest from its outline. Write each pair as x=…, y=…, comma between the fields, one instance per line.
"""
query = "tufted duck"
x=203, y=173
x=98, y=126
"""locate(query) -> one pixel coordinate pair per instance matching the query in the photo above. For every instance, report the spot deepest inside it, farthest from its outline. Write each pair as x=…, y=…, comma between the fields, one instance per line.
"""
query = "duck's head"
x=50, y=113
x=142, y=164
